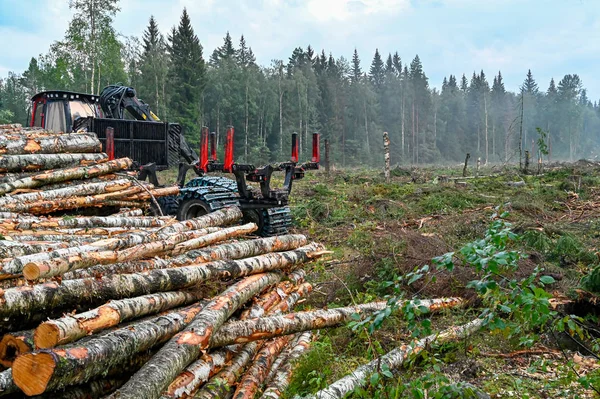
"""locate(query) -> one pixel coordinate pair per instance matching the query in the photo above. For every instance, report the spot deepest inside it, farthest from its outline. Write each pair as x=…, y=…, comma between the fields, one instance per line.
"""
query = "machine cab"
x=57, y=110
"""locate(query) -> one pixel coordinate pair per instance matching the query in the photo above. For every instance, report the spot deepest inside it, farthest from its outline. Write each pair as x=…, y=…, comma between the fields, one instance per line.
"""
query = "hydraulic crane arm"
x=115, y=99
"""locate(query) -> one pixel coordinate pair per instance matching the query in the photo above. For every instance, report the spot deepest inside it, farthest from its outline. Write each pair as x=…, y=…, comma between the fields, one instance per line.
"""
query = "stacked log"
x=44, y=172
x=151, y=307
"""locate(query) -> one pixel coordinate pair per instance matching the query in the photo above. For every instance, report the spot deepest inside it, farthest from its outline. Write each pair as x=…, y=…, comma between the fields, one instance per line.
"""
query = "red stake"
x=204, y=150
x=316, y=153
x=228, y=163
x=295, y=147
x=110, y=143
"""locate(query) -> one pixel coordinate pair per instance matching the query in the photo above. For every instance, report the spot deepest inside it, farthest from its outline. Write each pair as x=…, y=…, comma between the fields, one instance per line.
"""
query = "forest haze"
x=312, y=91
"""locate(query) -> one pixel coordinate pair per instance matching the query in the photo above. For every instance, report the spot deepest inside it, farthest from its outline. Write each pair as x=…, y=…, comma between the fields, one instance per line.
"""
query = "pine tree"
x=187, y=77
x=377, y=71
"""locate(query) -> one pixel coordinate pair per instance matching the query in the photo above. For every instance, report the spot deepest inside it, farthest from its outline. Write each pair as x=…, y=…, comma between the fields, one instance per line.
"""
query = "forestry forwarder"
x=154, y=146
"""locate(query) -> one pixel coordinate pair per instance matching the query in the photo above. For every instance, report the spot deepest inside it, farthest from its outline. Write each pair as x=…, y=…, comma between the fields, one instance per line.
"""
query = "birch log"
x=84, y=222
x=41, y=297
x=60, y=175
x=51, y=369
x=197, y=373
x=70, y=328
x=35, y=162
x=54, y=144
x=58, y=266
x=238, y=250
x=156, y=375
x=14, y=344
x=394, y=360
x=268, y=327
x=283, y=376
x=71, y=191
x=15, y=266
x=11, y=249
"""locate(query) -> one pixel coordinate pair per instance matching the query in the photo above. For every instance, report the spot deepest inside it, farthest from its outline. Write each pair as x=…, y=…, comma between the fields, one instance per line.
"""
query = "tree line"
x=311, y=92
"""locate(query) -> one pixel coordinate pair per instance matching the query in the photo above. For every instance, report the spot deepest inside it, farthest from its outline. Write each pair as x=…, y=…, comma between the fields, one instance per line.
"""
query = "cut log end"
x=10, y=348
x=32, y=372
x=31, y=271
x=46, y=335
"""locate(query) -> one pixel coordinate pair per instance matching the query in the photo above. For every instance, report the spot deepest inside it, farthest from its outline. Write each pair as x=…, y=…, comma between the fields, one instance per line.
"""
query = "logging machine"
x=128, y=128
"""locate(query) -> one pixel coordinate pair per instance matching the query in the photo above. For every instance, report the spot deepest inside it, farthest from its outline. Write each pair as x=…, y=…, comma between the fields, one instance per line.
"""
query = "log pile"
x=147, y=307
x=43, y=172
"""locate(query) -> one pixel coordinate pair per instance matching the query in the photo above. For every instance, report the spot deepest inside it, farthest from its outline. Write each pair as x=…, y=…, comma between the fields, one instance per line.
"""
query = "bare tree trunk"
x=414, y=155
x=386, y=155
x=487, y=153
x=367, y=129
x=403, y=114
x=246, y=125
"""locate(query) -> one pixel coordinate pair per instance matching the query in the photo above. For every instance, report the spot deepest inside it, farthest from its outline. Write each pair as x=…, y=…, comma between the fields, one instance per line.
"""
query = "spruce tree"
x=397, y=64
x=529, y=85
x=356, y=69
x=187, y=77
x=389, y=64
x=377, y=71
x=464, y=84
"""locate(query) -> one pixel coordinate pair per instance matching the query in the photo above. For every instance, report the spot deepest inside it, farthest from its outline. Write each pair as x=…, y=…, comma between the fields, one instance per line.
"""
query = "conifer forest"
x=349, y=98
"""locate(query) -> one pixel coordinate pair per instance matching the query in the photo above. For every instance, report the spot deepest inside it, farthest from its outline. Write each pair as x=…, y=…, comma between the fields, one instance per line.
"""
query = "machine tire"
x=192, y=208
x=168, y=205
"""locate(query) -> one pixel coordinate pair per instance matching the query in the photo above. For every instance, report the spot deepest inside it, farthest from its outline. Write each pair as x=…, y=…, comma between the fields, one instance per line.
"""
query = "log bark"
x=129, y=212
x=237, y=250
x=197, y=373
x=58, y=266
x=220, y=385
x=7, y=385
x=222, y=217
x=14, y=344
x=60, y=175
x=209, y=239
x=237, y=332
x=394, y=360
x=157, y=192
x=41, y=297
x=156, y=375
x=283, y=376
x=16, y=203
x=84, y=222
x=70, y=328
x=11, y=249
x=51, y=369
x=256, y=374
x=54, y=144
x=35, y=162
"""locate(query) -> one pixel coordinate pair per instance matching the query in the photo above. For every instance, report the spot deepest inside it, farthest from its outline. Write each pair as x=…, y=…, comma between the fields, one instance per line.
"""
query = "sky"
x=550, y=37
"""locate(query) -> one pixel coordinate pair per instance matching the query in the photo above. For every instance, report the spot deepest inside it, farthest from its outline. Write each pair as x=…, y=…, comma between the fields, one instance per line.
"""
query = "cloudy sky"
x=550, y=37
